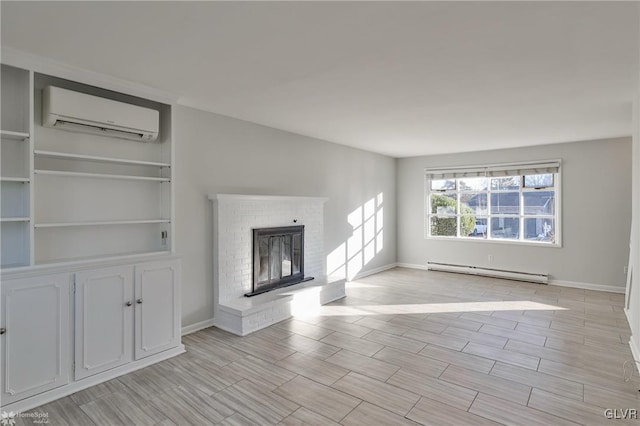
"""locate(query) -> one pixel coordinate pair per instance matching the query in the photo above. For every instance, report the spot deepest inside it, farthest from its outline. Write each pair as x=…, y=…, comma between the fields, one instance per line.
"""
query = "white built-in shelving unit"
x=90, y=280
x=75, y=196
x=15, y=166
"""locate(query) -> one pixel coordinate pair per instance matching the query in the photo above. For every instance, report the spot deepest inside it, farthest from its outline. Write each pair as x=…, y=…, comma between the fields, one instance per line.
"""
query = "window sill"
x=496, y=241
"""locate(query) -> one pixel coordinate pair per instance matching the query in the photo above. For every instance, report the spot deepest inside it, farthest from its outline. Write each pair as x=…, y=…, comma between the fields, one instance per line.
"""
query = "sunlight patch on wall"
x=364, y=243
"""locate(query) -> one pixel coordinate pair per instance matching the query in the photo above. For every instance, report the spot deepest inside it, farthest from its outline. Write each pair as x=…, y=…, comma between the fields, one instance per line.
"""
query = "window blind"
x=512, y=169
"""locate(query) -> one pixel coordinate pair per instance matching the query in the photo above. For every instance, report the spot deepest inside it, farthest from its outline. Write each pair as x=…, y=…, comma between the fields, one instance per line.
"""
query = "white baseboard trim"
x=363, y=274
x=635, y=351
x=412, y=266
x=587, y=286
x=192, y=328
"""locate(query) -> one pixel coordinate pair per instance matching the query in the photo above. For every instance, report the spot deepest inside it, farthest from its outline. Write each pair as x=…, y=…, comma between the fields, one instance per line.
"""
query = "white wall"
x=216, y=154
x=596, y=214
x=633, y=296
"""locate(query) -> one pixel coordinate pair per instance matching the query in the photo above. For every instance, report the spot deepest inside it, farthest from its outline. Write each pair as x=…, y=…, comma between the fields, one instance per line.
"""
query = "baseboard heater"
x=489, y=272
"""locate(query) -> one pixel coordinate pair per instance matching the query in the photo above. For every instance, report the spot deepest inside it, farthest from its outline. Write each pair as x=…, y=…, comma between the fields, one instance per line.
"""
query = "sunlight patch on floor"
x=306, y=307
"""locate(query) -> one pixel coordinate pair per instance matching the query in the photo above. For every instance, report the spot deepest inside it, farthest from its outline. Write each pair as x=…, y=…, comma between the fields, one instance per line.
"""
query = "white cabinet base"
x=85, y=316
x=73, y=387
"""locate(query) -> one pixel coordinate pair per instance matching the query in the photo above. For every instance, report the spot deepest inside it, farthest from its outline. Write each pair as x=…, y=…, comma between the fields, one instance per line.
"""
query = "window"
x=514, y=203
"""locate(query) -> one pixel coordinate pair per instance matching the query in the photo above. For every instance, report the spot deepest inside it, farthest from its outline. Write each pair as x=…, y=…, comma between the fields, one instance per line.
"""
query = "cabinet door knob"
x=139, y=301
x=3, y=330
x=129, y=303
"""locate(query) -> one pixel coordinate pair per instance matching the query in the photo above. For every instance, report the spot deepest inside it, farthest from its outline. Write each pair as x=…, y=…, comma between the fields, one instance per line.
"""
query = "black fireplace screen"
x=278, y=258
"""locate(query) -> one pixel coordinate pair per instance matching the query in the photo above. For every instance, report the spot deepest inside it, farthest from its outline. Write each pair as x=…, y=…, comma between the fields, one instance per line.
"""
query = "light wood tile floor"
x=405, y=347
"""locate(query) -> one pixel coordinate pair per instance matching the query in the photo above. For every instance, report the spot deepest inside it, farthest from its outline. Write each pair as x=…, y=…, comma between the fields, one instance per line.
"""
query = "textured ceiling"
x=398, y=78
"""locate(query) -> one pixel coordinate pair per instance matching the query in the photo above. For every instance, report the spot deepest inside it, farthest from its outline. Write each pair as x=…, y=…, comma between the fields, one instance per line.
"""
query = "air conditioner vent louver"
x=78, y=112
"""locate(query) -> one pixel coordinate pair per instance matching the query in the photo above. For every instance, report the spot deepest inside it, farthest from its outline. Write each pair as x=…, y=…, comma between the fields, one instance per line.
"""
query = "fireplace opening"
x=278, y=258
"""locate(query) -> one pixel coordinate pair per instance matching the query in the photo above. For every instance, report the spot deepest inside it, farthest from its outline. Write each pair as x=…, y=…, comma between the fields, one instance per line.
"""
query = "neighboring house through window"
x=508, y=202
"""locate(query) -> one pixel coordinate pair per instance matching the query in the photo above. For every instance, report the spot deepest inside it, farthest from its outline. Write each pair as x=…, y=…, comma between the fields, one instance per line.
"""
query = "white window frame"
x=476, y=171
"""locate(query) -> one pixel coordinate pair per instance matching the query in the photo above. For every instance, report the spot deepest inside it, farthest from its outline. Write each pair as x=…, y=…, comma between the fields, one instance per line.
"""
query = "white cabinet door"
x=35, y=343
x=104, y=320
x=157, y=307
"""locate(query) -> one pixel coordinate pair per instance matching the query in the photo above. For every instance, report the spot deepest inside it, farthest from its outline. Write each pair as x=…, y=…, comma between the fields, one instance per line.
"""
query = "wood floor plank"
x=410, y=361
x=309, y=346
x=344, y=327
x=369, y=414
x=140, y=414
x=312, y=368
x=97, y=391
x=461, y=359
x=566, y=408
x=546, y=382
x=393, y=341
x=331, y=402
x=304, y=329
x=180, y=404
x=62, y=412
x=261, y=372
x=549, y=332
x=438, y=390
x=521, y=317
x=206, y=377
x=543, y=352
x=510, y=413
x=364, y=365
x=502, y=355
x=381, y=394
x=474, y=336
x=607, y=398
x=353, y=344
x=146, y=383
x=433, y=413
x=305, y=417
x=103, y=413
x=436, y=339
x=385, y=326
x=267, y=350
x=256, y=402
x=492, y=385
x=513, y=334
x=236, y=419
x=489, y=320
x=216, y=352
x=584, y=375
x=457, y=321
x=417, y=324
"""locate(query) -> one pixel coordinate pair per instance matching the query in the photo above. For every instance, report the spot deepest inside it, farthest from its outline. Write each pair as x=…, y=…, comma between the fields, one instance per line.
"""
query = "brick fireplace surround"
x=234, y=217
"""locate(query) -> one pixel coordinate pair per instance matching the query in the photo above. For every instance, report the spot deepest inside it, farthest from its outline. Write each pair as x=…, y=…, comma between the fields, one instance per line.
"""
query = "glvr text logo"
x=621, y=413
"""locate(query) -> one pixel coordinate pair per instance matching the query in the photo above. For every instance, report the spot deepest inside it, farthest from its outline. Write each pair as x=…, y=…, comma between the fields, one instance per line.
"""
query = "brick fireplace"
x=234, y=219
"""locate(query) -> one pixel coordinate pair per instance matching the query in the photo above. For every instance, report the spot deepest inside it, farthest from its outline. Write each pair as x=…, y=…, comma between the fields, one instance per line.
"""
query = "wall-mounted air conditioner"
x=78, y=112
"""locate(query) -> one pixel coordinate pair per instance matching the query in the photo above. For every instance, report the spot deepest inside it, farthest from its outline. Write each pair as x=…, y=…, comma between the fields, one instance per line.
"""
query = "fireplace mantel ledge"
x=215, y=197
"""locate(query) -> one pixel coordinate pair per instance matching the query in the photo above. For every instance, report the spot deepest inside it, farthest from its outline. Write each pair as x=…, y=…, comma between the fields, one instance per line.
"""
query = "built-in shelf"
x=14, y=219
x=13, y=179
x=13, y=265
x=101, y=223
x=89, y=259
x=16, y=136
x=82, y=157
x=99, y=175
